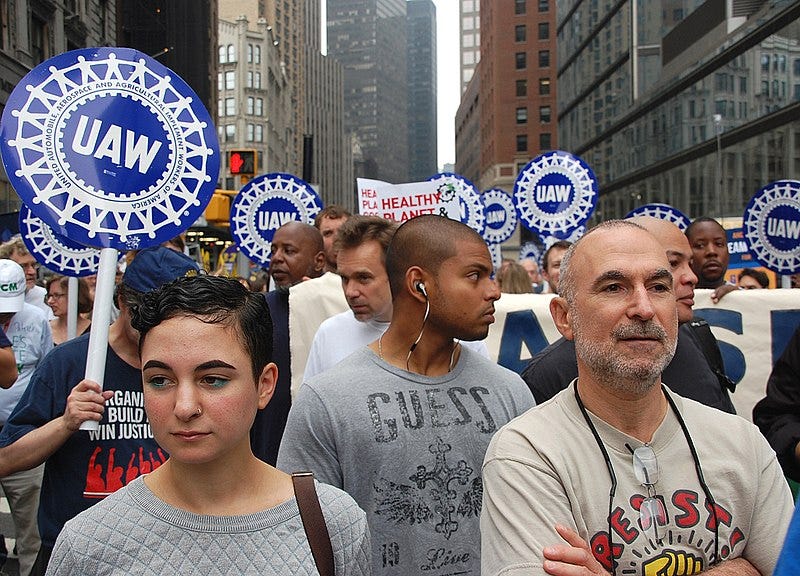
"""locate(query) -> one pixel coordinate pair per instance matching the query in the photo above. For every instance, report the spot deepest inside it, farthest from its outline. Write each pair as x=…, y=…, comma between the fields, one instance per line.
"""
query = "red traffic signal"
x=242, y=162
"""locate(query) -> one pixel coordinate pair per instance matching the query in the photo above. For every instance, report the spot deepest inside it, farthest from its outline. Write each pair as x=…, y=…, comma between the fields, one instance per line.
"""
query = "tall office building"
x=696, y=105
x=286, y=21
x=469, y=28
x=33, y=31
x=512, y=108
x=368, y=38
x=255, y=101
x=182, y=34
x=328, y=146
x=422, y=130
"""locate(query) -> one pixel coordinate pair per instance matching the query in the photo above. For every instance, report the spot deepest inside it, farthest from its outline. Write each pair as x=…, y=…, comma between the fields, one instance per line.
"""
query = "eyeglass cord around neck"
x=613, y=476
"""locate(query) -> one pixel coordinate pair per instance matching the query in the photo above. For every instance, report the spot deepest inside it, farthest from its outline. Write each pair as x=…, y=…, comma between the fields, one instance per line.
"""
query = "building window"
x=544, y=114
x=521, y=60
x=230, y=107
x=522, y=142
x=249, y=79
x=545, y=142
x=797, y=67
x=250, y=105
x=220, y=108
x=468, y=23
x=230, y=132
x=765, y=63
x=257, y=54
x=522, y=88
x=259, y=107
x=250, y=132
x=544, y=30
x=230, y=80
x=257, y=84
x=519, y=7
x=249, y=53
x=259, y=135
x=520, y=33
x=231, y=53
x=39, y=39
x=223, y=54
x=522, y=115
x=544, y=58
x=544, y=5
x=544, y=86
x=220, y=82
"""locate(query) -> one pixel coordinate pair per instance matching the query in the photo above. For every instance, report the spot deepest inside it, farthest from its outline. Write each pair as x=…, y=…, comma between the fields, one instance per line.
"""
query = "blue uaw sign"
x=55, y=252
x=265, y=204
x=530, y=250
x=110, y=148
x=662, y=212
x=470, y=204
x=772, y=226
x=555, y=194
x=500, y=216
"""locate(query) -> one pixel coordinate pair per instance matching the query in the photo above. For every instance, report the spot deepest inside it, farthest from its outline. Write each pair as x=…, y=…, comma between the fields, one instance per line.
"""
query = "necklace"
x=452, y=353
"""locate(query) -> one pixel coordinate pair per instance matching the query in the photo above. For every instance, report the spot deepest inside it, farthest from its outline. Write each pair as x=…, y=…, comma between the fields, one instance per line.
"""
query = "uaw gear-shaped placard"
x=662, y=212
x=500, y=216
x=54, y=251
x=530, y=250
x=555, y=194
x=469, y=200
x=265, y=204
x=772, y=226
x=110, y=148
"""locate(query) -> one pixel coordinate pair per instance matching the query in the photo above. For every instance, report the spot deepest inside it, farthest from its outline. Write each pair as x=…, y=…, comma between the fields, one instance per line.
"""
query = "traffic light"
x=242, y=162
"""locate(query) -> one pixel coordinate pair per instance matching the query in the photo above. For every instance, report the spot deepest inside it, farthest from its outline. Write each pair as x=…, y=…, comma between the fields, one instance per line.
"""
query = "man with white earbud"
x=402, y=425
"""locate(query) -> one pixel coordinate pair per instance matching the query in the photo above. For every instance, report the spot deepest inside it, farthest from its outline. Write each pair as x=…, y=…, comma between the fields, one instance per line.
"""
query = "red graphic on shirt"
x=692, y=524
x=103, y=480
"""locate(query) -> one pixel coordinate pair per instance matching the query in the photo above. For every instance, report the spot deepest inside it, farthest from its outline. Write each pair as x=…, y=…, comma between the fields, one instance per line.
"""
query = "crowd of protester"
x=429, y=457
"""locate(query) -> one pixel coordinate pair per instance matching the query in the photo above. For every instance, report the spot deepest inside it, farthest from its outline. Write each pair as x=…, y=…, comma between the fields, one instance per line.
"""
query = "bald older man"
x=696, y=370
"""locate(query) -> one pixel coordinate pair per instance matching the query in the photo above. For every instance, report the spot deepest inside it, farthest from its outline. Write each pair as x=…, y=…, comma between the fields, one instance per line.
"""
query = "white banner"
x=401, y=202
x=752, y=326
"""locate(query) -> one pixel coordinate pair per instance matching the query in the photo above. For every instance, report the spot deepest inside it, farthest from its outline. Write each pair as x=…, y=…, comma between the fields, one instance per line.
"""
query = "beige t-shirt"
x=546, y=467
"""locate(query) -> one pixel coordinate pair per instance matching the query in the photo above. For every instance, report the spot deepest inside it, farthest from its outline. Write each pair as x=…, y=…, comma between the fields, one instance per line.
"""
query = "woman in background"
x=57, y=300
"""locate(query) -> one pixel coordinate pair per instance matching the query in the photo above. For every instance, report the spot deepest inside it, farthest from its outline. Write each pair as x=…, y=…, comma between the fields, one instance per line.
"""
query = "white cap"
x=12, y=286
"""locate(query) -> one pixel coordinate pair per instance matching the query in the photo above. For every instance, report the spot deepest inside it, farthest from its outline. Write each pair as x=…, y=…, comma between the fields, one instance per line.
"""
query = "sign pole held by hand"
x=72, y=307
x=98, y=336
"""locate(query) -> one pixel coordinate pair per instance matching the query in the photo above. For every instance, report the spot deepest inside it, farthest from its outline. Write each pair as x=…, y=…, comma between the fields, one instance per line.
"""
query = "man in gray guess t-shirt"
x=403, y=424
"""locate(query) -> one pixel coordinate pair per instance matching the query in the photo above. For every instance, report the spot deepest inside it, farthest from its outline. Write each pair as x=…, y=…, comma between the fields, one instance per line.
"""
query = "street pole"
x=718, y=131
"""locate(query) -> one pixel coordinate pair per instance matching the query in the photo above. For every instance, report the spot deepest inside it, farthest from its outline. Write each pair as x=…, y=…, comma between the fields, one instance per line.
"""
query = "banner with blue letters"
x=752, y=326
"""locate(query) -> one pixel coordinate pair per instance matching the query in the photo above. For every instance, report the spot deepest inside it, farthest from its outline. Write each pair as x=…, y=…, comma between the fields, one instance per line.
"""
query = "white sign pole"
x=98, y=337
x=72, y=307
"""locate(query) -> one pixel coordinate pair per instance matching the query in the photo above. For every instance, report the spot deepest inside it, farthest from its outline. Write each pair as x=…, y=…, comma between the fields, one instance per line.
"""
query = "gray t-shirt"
x=409, y=449
x=134, y=532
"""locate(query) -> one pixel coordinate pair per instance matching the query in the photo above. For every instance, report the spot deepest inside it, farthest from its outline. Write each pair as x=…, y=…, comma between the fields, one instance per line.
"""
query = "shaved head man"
x=697, y=371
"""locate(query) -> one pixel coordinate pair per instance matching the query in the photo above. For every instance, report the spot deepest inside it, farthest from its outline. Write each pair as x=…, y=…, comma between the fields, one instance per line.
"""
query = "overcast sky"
x=447, y=68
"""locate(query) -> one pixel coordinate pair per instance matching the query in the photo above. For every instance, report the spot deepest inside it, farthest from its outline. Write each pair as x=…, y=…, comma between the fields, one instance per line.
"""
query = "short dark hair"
x=757, y=275
x=425, y=241
x=565, y=244
x=84, y=301
x=697, y=221
x=214, y=300
x=359, y=229
x=332, y=211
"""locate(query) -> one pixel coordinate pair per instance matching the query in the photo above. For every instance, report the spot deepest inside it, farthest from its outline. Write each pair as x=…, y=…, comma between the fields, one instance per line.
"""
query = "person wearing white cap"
x=16, y=250
x=27, y=328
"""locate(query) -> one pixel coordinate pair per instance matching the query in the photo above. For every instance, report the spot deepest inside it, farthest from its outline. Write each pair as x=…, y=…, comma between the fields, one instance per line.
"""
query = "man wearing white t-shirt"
x=361, y=244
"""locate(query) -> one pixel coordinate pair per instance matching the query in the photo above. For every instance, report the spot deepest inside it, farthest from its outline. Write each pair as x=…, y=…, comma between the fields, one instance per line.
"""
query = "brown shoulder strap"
x=313, y=522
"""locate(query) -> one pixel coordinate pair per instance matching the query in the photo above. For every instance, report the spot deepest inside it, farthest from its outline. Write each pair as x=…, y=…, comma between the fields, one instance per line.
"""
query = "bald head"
x=679, y=254
x=297, y=253
x=425, y=241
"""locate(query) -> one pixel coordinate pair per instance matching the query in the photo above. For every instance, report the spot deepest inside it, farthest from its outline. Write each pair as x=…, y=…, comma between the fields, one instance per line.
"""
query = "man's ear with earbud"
x=420, y=287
